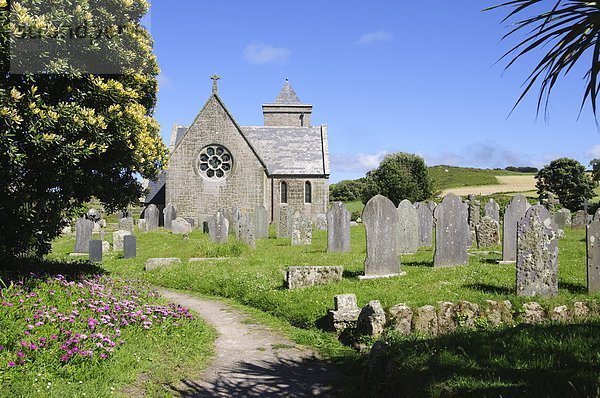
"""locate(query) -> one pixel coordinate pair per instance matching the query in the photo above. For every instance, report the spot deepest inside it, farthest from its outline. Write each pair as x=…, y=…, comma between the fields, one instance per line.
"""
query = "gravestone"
x=597, y=214
x=514, y=211
x=218, y=228
x=301, y=230
x=191, y=221
x=580, y=219
x=488, y=232
x=593, y=256
x=118, y=239
x=380, y=217
x=261, y=222
x=284, y=224
x=550, y=202
x=181, y=226
x=562, y=218
x=151, y=216
x=129, y=246
x=474, y=211
x=492, y=210
x=408, y=228
x=170, y=214
x=142, y=225
x=537, y=254
x=95, y=251
x=232, y=214
x=432, y=205
x=95, y=216
x=338, y=228
x=321, y=222
x=83, y=235
x=452, y=232
x=246, y=232
x=126, y=224
x=205, y=227
x=425, y=215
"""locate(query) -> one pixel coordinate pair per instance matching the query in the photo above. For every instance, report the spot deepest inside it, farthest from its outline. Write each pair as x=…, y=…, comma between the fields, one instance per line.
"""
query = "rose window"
x=215, y=162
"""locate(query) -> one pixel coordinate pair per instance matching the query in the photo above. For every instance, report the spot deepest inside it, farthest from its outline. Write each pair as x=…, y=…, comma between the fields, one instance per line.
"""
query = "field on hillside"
x=509, y=184
x=445, y=177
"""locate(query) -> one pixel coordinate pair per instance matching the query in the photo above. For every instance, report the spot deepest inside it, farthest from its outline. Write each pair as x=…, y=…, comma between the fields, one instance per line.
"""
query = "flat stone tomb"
x=452, y=232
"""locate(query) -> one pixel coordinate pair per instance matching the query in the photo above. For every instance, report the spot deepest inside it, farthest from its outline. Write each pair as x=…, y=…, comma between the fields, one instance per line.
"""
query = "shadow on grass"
x=492, y=289
x=524, y=361
x=352, y=274
x=418, y=263
x=15, y=269
x=572, y=287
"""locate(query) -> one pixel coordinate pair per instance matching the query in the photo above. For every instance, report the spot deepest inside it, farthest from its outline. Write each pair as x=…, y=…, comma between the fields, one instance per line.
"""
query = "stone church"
x=215, y=163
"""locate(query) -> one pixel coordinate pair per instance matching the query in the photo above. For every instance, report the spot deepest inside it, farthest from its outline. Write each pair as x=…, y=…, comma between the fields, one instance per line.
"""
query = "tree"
x=566, y=178
x=399, y=176
x=347, y=190
x=595, y=163
x=68, y=135
x=569, y=29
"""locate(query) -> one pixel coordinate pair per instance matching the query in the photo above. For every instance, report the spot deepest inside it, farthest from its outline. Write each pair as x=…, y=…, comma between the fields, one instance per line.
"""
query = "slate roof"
x=287, y=95
x=289, y=150
x=154, y=187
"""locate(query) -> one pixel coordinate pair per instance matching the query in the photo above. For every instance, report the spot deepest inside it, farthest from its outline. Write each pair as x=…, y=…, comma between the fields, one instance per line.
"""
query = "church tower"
x=287, y=110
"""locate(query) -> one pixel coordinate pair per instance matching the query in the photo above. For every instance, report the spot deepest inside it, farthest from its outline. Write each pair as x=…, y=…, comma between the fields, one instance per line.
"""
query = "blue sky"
x=385, y=76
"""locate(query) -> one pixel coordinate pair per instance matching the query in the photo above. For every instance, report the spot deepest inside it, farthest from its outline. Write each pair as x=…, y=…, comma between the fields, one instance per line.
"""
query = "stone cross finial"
x=215, y=78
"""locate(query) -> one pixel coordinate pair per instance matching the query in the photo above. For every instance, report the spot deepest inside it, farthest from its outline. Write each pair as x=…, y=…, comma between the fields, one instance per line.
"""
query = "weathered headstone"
x=301, y=230
x=95, y=217
x=562, y=218
x=492, y=210
x=537, y=254
x=338, y=228
x=452, y=232
x=129, y=246
x=580, y=219
x=95, y=251
x=380, y=217
x=126, y=224
x=408, y=228
x=142, y=225
x=218, y=228
x=597, y=214
x=246, y=232
x=261, y=222
x=181, y=226
x=425, y=215
x=593, y=256
x=170, y=214
x=514, y=211
x=321, y=222
x=151, y=216
x=83, y=235
x=118, y=239
x=284, y=224
x=488, y=232
x=474, y=212
x=232, y=214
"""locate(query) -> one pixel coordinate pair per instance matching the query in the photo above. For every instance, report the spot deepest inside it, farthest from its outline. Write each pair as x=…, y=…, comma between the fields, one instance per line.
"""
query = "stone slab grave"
x=261, y=222
x=345, y=313
x=537, y=254
x=474, y=216
x=306, y=276
x=129, y=246
x=562, y=218
x=488, y=232
x=338, y=229
x=596, y=215
x=126, y=224
x=95, y=216
x=181, y=226
x=593, y=256
x=218, y=228
x=151, y=215
x=321, y=222
x=118, y=237
x=492, y=210
x=284, y=222
x=142, y=225
x=170, y=214
x=246, y=232
x=452, y=232
x=155, y=263
x=232, y=214
x=425, y=215
x=83, y=235
x=408, y=228
x=515, y=210
x=301, y=229
x=380, y=217
x=95, y=251
x=580, y=219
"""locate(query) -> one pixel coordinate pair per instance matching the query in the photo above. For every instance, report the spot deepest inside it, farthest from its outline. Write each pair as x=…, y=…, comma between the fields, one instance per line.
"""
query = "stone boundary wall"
x=446, y=317
x=296, y=277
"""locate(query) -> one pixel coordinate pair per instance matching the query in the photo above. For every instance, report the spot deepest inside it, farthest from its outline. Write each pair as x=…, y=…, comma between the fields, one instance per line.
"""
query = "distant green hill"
x=445, y=177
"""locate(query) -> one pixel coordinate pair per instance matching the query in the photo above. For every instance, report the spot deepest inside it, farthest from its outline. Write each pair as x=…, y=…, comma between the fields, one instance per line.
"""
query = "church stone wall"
x=295, y=196
x=296, y=116
x=198, y=197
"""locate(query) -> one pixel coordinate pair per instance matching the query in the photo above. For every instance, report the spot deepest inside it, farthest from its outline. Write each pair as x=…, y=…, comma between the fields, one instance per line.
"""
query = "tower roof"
x=287, y=95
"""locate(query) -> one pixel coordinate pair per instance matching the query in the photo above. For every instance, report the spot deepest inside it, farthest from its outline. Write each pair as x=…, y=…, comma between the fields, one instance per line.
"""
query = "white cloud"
x=262, y=53
x=359, y=162
x=594, y=152
x=164, y=81
x=372, y=37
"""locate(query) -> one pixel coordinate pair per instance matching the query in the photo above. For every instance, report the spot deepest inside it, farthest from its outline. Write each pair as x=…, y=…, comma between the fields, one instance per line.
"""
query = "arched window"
x=307, y=192
x=283, y=190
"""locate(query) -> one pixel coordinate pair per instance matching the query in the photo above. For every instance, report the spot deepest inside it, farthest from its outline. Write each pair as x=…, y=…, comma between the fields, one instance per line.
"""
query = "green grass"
x=457, y=177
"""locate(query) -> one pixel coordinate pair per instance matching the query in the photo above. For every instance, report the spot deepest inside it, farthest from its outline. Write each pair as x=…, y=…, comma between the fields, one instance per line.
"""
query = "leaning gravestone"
x=129, y=246
x=301, y=230
x=580, y=219
x=408, y=228
x=261, y=222
x=218, y=228
x=181, y=226
x=537, y=254
x=562, y=218
x=492, y=210
x=380, y=217
x=151, y=217
x=512, y=214
x=118, y=239
x=452, y=232
x=425, y=215
x=284, y=224
x=126, y=224
x=246, y=232
x=95, y=251
x=488, y=232
x=170, y=214
x=232, y=214
x=593, y=256
x=83, y=235
x=338, y=228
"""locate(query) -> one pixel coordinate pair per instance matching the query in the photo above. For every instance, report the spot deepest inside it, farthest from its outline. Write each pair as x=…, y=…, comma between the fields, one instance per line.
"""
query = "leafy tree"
x=347, y=190
x=566, y=178
x=399, y=176
x=67, y=135
x=595, y=163
x=568, y=29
